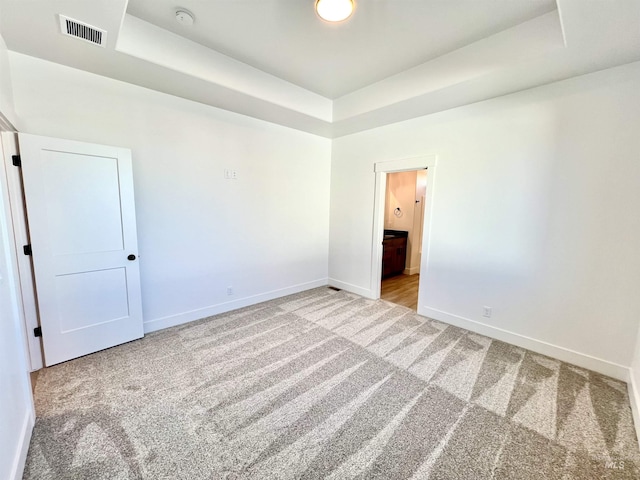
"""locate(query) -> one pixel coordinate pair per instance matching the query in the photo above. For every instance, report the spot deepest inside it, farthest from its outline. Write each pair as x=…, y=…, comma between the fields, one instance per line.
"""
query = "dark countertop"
x=395, y=234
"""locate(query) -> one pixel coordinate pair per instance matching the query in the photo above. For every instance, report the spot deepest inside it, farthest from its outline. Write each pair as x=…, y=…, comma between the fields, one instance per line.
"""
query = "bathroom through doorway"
x=404, y=212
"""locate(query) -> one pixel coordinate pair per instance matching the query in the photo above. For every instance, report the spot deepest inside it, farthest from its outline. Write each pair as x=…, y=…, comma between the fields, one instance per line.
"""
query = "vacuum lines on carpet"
x=327, y=385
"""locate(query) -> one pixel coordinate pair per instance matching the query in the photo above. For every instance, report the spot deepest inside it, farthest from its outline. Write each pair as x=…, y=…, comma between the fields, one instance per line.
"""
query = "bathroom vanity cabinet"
x=394, y=253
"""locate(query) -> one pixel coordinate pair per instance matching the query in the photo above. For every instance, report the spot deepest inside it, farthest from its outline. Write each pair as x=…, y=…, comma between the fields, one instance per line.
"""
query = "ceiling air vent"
x=85, y=32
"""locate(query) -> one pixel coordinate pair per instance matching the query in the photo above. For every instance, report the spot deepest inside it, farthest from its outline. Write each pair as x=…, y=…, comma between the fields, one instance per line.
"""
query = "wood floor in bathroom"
x=401, y=289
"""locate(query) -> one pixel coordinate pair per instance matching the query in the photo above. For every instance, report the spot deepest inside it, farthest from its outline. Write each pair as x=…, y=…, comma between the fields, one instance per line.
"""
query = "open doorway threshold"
x=401, y=289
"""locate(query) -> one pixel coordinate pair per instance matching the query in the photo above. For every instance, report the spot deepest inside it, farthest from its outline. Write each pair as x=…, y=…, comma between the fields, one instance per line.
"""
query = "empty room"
x=331, y=239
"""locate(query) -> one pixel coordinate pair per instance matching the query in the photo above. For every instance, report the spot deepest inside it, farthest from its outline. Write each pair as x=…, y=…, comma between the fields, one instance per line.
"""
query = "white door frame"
x=381, y=169
x=26, y=286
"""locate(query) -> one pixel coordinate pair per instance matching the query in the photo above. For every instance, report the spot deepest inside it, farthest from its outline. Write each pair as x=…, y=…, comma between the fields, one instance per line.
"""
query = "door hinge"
x=37, y=332
x=27, y=250
x=17, y=161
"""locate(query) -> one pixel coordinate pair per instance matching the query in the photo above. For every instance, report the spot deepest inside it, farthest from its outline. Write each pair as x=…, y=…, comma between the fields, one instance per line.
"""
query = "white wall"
x=535, y=213
x=418, y=220
x=401, y=192
x=6, y=90
x=265, y=234
x=16, y=408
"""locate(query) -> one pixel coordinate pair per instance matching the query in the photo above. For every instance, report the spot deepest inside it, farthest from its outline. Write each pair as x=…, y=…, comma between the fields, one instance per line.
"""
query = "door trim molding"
x=20, y=236
x=381, y=170
x=22, y=449
x=6, y=125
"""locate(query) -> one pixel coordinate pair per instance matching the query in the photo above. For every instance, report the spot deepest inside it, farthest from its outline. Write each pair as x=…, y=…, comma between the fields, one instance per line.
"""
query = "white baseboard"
x=349, y=287
x=599, y=365
x=20, y=459
x=412, y=270
x=190, y=316
x=634, y=399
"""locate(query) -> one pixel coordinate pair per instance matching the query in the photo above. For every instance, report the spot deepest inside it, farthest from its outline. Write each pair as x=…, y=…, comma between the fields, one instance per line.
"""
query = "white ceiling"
x=383, y=37
x=277, y=61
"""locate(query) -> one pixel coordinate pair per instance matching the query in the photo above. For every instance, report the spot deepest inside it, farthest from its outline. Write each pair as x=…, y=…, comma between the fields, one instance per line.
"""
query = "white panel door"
x=81, y=216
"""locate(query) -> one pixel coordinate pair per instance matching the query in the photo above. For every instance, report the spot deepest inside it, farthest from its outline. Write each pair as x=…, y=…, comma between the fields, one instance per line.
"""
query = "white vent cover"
x=83, y=31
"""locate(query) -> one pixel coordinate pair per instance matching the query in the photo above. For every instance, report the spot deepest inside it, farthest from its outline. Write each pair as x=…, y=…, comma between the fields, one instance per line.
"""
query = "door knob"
x=131, y=257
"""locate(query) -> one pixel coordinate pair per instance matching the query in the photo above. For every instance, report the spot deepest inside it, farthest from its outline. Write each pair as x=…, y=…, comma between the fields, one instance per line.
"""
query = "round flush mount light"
x=334, y=10
x=184, y=18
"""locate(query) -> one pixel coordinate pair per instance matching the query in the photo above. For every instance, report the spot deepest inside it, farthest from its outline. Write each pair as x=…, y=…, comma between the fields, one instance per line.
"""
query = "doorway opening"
x=402, y=222
x=402, y=241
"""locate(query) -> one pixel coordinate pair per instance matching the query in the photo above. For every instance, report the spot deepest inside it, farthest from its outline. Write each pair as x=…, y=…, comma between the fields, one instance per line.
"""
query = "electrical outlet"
x=486, y=311
x=234, y=174
x=229, y=290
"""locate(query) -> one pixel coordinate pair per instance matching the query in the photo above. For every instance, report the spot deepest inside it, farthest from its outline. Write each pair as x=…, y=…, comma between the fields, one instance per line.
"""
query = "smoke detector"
x=184, y=18
x=83, y=31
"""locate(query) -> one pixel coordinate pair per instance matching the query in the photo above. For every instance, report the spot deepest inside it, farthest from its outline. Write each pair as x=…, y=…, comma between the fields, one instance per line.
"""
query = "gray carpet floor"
x=327, y=384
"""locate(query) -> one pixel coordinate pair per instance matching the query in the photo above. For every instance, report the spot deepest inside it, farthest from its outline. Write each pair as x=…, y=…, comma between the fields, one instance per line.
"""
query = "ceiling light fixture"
x=334, y=10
